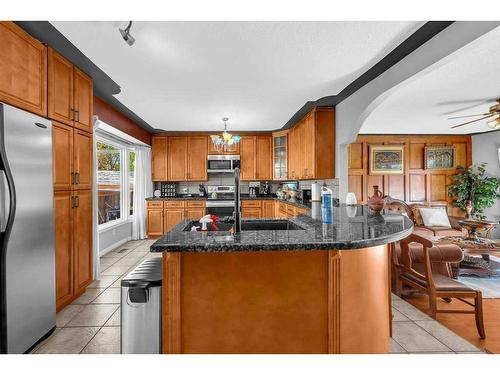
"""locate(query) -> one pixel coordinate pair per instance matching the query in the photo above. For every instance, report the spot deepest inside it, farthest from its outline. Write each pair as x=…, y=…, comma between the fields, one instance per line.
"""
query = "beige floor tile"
x=66, y=314
x=42, y=343
x=447, y=337
x=410, y=311
x=415, y=339
x=114, y=320
x=89, y=295
x=104, y=281
x=108, y=261
x=93, y=315
x=117, y=283
x=394, y=347
x=398, y=317
x=113, y=254
x=129, y=261
x=115, y=270
x=68, y=340
x=110, y=295
x=106, y=341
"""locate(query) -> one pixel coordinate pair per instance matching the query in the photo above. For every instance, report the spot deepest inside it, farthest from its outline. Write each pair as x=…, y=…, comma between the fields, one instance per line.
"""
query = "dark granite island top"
x=352, y=228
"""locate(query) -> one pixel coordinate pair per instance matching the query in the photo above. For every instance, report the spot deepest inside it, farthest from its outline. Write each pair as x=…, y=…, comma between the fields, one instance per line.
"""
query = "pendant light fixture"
x=225, y=142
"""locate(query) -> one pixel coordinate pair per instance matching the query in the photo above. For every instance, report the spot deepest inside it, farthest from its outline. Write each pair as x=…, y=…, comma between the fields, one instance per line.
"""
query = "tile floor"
x=91, y=324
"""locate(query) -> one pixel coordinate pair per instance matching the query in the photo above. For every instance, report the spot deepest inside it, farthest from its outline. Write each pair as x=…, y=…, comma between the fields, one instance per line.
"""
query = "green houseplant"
x=472, y=184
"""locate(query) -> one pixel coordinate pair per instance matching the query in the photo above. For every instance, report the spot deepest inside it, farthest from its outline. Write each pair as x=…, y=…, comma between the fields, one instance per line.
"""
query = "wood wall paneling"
x=417, y=184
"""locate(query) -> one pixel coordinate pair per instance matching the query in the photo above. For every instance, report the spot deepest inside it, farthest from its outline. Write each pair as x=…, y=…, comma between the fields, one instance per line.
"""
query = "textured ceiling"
x=187, y=75
x=467, y=83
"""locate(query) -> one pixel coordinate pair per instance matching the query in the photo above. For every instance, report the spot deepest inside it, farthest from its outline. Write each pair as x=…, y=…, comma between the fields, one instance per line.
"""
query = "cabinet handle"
x=77, y=201
x=72, y=201
x=72, y=178
x=77, y=113
x=77, y=178
x=72, y=114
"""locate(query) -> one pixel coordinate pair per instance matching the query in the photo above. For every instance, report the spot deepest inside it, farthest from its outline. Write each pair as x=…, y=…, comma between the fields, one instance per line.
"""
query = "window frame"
x=124, y=182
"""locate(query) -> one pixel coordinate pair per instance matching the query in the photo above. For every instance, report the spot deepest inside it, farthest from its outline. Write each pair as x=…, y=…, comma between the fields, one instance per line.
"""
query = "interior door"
x=177, y=158
x=82, y=240
x=82, y=164
x=83, y=99
x=60, y=84
x=63, y=219
x=197, y=158
x=62, y=153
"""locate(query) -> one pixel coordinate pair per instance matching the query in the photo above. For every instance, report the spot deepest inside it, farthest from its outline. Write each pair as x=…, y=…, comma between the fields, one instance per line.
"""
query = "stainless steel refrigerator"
x=27, y=289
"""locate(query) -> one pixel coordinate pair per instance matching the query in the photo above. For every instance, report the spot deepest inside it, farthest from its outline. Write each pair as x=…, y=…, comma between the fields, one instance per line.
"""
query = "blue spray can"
x=326, y=205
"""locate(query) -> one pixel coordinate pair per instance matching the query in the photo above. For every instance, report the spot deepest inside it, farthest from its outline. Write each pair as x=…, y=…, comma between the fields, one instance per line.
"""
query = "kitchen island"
x=307, y=287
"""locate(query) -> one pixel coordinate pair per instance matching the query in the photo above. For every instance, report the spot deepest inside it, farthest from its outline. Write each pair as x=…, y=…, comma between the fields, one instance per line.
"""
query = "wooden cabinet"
x=63, y=223
x=195, y=210
x=197, y=158
x=159, y=161
x=155, y=222
x=268, y=209
x=23, y=70
x=70, y=93
x=280, y=156
x=177, y=158
x=62, y=156
x=82, y=164
x=233, y=150
x=172, y=217
x=73, y=244
x=312, y=146
x=164, y=215
x=251, y=209
x=82, y=244
x=256, y=158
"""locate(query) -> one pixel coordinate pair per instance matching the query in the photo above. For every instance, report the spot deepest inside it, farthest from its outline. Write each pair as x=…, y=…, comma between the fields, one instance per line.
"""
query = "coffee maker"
x=266, y=188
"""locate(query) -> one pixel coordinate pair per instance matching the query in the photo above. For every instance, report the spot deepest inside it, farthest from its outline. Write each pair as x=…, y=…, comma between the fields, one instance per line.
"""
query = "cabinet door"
x=197, y=159
x=250, y=212
x=234, y=150
x=263, y=157
x=83, y=99
x=159, y=158
x=247, y=158
x=62, y=155
x=177, y=158
x=82, y=239
x=268, y=209
x=309, y=149
x=63, y=244
x=300, y=169
x=194, y=213
x=82, y=164
x=23, y=69
x=292, y=154
x=172, y=217
x=155, y=223
x=60, y=87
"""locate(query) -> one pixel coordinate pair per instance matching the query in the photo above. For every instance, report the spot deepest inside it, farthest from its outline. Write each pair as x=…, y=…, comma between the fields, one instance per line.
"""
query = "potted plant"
x=472, y=189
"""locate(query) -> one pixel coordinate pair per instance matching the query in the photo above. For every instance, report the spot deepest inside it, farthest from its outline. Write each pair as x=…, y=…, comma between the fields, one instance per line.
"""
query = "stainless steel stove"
x=220, y=200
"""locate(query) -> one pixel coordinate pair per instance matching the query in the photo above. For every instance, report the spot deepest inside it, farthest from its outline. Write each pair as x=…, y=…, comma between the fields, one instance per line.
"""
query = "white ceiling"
x=467, y=83
x=188, y=75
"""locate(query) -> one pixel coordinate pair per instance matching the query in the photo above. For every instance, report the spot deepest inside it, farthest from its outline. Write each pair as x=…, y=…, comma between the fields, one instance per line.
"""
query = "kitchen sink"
x=256, y=225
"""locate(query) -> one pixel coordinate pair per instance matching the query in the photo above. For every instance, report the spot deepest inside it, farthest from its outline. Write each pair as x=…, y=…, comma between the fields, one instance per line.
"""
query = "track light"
x=126, y=34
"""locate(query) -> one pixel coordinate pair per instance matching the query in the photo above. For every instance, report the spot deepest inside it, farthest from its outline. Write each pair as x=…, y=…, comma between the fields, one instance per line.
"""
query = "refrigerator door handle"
x=4, y=201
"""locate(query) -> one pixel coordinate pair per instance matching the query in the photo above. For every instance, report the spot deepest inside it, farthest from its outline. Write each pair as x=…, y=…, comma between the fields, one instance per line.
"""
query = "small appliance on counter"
x=253, y=191
x=202, y=190
x=266, y=188
x=168, y=189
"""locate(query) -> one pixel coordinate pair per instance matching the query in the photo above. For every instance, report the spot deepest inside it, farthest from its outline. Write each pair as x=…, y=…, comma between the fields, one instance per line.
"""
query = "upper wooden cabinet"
x=234, y=150
x=197, y=158
x=23, y=70
x=70, y=93
x=280, y=155
x=159, y=159
x=256, y=157
x=82, y=162
x=312, y=146
x=177, y=158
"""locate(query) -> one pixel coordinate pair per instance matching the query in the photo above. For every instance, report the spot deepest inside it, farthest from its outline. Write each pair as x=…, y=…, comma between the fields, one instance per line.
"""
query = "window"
x=115, y=182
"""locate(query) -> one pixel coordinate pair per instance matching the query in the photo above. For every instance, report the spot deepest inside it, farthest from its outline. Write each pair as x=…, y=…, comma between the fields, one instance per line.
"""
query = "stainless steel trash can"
x=141, y=309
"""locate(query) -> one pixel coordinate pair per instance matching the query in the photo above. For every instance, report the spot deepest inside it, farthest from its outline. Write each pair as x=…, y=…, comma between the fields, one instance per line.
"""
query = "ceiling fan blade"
x=470, y=122
x=481, y=114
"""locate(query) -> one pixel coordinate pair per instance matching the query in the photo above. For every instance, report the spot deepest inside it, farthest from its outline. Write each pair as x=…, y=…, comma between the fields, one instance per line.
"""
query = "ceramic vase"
x=376, y=202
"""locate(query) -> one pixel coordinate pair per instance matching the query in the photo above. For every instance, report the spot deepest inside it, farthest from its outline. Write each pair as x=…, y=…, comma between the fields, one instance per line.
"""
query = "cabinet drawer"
x=174, y=204
x=155, y=204
x=251, y=212
x=251, y=203
x=195, y=204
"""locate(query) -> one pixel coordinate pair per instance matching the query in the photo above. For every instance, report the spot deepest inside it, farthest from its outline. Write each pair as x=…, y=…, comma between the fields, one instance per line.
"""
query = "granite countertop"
x=353, y=227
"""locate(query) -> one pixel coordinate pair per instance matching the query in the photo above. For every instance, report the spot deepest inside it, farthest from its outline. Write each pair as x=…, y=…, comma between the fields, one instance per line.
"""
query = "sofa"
x=442, y=256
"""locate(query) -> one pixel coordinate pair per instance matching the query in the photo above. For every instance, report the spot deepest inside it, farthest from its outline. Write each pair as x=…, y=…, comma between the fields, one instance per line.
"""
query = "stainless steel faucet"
x=237, y=214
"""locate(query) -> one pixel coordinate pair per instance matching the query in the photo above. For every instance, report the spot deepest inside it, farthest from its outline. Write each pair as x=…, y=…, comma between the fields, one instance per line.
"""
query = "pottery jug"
x=376, y=202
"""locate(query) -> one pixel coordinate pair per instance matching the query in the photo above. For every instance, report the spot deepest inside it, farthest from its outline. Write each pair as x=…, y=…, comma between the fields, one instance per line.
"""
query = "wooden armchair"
x=435, y=285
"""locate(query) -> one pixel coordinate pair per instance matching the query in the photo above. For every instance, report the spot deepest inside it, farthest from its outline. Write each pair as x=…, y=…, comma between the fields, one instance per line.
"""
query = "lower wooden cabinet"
x=155, y=222
x=73, y=244
x=172, y=217
x=164, y=215
x=268, y=208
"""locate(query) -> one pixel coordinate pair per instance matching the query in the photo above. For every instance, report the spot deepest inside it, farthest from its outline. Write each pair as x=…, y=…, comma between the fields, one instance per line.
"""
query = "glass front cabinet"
x=280, y=156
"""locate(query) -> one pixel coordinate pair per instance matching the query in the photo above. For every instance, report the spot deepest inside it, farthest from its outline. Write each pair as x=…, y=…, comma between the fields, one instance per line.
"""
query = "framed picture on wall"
x=439, y=157
x=386, y=160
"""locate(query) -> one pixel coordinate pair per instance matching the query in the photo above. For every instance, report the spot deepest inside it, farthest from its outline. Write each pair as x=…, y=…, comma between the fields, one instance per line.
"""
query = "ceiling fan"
x=493, y=112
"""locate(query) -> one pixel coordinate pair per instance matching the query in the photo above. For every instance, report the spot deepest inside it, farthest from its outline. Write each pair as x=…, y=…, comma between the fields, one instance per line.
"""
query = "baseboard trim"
x=114, y=246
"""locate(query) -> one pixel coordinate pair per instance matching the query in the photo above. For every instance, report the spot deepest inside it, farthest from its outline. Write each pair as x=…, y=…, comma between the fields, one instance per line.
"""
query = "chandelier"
x=225, y=142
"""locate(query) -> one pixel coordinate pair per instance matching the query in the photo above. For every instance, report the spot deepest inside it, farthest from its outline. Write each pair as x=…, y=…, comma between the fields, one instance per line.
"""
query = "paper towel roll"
x=315, y=192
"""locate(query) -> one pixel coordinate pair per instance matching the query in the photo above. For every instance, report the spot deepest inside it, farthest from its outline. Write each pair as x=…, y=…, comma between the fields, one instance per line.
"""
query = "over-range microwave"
x=223, y=163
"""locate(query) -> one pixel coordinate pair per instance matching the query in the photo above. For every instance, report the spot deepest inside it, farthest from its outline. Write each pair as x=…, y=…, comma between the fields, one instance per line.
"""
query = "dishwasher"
x=141, y=309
